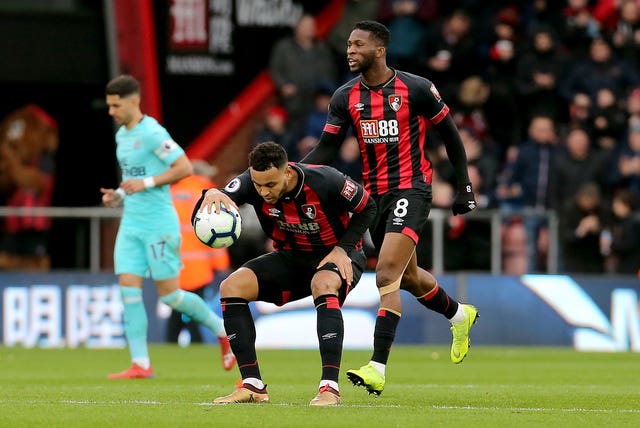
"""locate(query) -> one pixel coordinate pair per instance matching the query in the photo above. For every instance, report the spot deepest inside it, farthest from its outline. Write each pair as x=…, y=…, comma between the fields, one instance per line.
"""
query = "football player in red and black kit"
x=305, y=210
x=390, y=112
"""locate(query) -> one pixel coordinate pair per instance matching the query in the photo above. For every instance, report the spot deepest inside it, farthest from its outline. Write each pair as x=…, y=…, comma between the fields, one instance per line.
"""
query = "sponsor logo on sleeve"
x=349, y=189
x=435, y=92
x=169, y=145
x=233, y=186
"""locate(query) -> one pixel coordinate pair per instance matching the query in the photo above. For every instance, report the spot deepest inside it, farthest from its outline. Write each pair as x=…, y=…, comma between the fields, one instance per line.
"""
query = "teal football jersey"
x=144, y=151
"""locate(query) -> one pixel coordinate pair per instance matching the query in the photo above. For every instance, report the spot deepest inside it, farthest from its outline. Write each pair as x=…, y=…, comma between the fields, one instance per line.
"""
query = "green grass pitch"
x=493, y=387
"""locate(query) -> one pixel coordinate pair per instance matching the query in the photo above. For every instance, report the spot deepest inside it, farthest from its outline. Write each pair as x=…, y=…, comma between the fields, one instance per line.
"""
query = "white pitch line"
x=537, y=409
x=436, y=407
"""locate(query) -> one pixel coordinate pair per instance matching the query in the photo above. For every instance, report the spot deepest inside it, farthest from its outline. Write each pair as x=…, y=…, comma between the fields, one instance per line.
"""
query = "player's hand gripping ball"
x=218, y=230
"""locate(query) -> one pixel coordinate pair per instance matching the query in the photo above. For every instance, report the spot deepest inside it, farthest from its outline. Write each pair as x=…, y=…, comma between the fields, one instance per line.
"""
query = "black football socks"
x=330, y=328
x=439, y=301
x=241, y=332
x=384, y=334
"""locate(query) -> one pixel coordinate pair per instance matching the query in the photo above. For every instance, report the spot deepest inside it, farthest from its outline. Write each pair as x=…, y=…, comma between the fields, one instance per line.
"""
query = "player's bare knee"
x=386, y=273
x=228, y=288
x=322, y=289
x=325, y=282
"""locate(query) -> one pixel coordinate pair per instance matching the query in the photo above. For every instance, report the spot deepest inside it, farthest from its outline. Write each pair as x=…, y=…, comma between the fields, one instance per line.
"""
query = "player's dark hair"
x=377, y=30
x=268, y=155
x=123, y=86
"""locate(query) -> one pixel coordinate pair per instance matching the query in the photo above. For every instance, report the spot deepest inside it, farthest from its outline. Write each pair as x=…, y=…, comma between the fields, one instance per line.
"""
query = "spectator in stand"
x=200, y=262
x=503, y=49
x=491, y=111
x=607, y=121
x=472, y=98
x=579, y=114
x=582, y=219
x=530, y=181
x=348, y=160
x=540, y=68
x=274, y=128
x=547, y=13
x=318, y=116
x=314, y=123
x=624, y=247
x=297, y=65
x=508, y=196
x=450, y=52
x=607, y=14
x=625, y=36
x=600, y=70
x=633, y=108
x=509, y=200
x=579, y=28
x=575, y=164
x=408, y=21
x=625, y=171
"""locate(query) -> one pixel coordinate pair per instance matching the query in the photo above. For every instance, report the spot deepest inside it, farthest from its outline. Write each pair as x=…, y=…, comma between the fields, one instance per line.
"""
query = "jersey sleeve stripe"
x=438, y=117
x=331, y=129
x=362, y=203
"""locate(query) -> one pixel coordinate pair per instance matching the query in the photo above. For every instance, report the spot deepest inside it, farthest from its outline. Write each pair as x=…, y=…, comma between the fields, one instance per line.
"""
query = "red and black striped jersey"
x=314, y=216
x=390, y=122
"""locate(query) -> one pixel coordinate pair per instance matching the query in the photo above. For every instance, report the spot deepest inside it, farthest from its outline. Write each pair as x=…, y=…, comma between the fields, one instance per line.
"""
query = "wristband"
x=149, y=182
x=120, y=192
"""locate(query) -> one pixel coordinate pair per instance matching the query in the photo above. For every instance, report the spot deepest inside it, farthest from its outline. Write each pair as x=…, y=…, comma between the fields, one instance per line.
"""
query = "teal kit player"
x=148, y=240
x=143, y=152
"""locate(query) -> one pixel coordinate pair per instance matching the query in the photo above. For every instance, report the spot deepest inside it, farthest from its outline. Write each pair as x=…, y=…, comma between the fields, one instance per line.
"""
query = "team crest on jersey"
x=435, y=92
x=395, y=101
x=309, y=210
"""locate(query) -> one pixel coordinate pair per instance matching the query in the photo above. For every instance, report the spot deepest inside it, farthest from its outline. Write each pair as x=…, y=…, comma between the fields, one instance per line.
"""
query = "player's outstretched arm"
x=327, y=150
x=465, y=199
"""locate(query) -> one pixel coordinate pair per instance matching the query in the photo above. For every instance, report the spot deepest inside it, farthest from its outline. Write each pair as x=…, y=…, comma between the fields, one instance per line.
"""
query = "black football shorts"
x=403, y=211
x=284, y=276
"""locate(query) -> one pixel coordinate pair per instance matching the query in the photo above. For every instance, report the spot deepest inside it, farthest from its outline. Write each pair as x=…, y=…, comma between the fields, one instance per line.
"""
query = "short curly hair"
x=268, y=155
x=378, y=31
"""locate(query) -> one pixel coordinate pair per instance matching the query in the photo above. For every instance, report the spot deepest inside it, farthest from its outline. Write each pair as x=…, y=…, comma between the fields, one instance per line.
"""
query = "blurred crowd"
x=546, y=95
